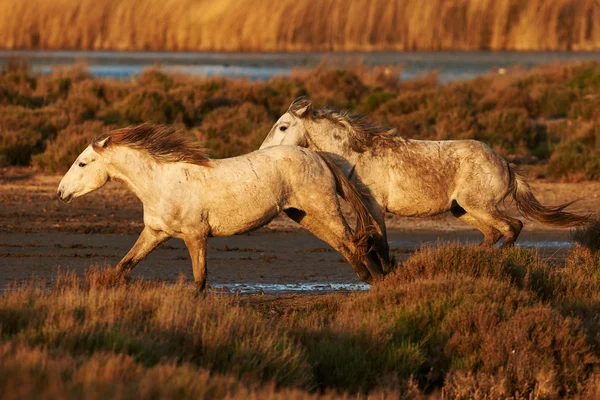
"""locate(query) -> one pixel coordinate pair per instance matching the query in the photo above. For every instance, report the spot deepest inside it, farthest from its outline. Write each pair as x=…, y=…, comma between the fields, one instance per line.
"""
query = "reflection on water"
x=330, y=287
x=451, y=65
x=278, y=288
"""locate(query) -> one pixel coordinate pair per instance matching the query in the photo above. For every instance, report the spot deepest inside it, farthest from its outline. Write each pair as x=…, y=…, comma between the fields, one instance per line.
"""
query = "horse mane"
x=161, y=142
x=361, y=132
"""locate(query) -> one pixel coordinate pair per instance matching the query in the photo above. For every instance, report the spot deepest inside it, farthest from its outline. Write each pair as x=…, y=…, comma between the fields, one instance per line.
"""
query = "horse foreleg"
x=149, y=239
x=197, y=247
x=327, y=223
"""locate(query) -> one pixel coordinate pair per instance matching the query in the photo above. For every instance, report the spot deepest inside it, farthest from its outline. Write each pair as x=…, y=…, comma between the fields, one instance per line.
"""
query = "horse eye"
x=283, y=128
x=82, y=164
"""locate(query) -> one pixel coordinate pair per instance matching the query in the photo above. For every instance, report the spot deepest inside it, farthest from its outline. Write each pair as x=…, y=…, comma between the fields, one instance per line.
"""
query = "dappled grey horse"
x=189, y=196
x=419, y=177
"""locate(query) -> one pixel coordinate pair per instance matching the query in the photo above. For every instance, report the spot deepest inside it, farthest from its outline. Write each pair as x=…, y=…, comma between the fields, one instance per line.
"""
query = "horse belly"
x=237, y=220
x=416, y=208
x=418, y=202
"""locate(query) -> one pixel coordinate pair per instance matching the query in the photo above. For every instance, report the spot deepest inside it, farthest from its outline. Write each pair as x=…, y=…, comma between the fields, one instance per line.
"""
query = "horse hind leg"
x=491, y=235
x=509, y=227
x=327, y=224
x=516, y=227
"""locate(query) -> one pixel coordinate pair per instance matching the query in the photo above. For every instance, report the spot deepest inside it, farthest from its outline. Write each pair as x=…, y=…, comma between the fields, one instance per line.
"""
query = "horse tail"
x=365, y=229
x=531, y=208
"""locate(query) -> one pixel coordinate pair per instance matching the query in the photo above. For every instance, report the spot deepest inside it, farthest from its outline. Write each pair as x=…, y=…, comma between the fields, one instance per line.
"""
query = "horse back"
x=425, y=176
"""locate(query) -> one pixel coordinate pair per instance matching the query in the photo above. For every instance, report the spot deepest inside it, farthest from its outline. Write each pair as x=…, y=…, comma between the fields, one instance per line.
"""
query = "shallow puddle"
x=281, y=288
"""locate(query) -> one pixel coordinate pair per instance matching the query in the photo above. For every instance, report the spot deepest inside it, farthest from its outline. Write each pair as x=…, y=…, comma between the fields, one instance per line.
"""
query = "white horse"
x=189, y=196
x=419, y=177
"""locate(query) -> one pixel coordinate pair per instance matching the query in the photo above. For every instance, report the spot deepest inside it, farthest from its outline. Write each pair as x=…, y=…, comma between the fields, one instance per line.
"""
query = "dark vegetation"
x=454, y=319
x=547, y=117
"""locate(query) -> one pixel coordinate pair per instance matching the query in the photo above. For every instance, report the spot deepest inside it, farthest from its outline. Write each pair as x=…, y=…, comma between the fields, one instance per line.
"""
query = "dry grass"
x=453, y=319
x=246, y=25
x=545, y=117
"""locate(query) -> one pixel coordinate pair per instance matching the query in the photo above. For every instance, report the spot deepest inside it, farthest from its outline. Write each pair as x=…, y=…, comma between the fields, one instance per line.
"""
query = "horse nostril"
x=60, y=192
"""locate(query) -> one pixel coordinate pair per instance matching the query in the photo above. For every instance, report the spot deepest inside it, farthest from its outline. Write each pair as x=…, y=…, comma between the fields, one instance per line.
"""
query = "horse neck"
x=330, y=138
x=135, y=170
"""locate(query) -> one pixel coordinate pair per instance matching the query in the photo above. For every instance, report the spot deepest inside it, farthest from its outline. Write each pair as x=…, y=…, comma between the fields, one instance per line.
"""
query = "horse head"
x=289, y=128
x=87, y=173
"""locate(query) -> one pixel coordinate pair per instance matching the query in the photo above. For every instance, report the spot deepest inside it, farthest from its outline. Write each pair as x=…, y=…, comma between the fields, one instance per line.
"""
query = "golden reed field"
x=292, y=25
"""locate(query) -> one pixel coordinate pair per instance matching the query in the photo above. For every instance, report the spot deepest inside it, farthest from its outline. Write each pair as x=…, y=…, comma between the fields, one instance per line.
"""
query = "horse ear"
x=304, y=111
x=301, y=107
x=101, y=143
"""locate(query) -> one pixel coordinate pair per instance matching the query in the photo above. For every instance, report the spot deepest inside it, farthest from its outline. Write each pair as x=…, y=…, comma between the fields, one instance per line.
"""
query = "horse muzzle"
x=63, y=198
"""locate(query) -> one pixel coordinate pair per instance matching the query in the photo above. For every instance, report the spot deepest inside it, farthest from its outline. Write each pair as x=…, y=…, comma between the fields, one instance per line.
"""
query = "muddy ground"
x=39, y=234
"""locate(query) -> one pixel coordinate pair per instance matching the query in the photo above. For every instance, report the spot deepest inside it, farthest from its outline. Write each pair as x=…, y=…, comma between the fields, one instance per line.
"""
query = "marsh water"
x=264, y=261
x=449, y=65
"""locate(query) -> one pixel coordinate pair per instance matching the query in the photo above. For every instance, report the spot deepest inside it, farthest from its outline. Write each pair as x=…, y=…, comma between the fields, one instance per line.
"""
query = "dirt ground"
x=39, y=234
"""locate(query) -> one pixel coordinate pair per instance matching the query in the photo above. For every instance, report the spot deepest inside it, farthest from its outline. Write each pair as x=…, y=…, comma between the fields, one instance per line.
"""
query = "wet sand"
x=39, y=234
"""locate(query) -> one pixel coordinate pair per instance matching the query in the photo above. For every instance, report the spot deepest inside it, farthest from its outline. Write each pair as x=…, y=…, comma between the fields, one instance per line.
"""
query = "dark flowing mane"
x=161, y=142
x=361, y=132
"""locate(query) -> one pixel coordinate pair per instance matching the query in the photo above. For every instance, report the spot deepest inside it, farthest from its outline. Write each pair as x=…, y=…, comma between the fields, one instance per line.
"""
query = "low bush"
x=230, y=131
x=578, y=156
x=17, y=146
x=454, y=319
x=527, y=116
x=86, y=317
x=62, y=151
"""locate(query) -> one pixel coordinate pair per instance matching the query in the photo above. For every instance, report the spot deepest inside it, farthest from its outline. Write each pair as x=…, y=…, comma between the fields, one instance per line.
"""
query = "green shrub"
x=231, y=131
x=85, y=100
x=512, y=97
x=62, y=151
x=24, y=81
x=554, y=101
x=17, y=147
x=373, y=101
x=456, y=123
x=10, y=96
x=23, y=132
x=525, y=115
x=574, y=159
x=578, y=156
x=338, y=88
x=585, y=76
x=145, y=105
x=459, y=95
x=586, y=108
x=510, y=131
x=154, y=77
